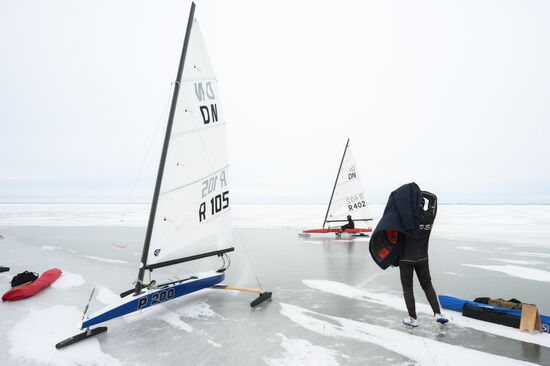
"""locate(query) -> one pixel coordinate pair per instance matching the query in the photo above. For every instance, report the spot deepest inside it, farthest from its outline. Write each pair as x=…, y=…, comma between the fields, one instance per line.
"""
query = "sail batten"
x=194, y=131
x=196, y=181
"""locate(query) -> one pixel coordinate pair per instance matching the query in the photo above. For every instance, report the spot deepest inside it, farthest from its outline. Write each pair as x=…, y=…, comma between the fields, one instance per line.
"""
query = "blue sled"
x=456, y=304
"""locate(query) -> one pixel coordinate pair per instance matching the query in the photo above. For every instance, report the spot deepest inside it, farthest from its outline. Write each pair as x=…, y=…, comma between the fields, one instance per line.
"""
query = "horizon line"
x=269, y=203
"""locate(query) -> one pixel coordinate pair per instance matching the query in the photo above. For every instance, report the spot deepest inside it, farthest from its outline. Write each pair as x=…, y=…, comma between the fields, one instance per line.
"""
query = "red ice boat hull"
x=338, y=230
x=22, y=292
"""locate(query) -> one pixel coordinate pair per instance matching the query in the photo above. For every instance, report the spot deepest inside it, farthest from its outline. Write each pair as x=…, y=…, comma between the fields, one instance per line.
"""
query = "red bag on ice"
x=22, y=292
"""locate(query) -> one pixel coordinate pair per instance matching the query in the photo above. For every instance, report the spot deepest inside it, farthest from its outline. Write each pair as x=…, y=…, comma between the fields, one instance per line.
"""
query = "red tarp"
x=22, y=292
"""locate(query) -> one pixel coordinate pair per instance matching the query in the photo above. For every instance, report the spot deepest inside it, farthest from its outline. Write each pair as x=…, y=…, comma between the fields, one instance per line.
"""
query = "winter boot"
x=410, y=322
x=441, y=318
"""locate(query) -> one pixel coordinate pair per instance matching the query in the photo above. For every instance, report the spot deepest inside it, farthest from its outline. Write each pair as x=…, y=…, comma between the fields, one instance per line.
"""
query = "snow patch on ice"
x=455, y=274
x=517, y=261
x=68, y=280
x=197, y=310
x=107, y=260
x=397, y=302
x=33, y=339
x=303, y=352
x=49, y=247
x=105, y=296
x=517, y=271
x=174, y=320
x=422, y=350
x=211, y=342
x=160, y=312
x=471, y=249
x=533, y=254
x=341, y=289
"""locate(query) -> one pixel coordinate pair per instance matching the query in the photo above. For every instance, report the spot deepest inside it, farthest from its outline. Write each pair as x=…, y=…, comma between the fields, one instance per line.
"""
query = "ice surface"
x=197, y=310
x=105, y=295
x=49, y=247
x=422, y=350
x=74, y=214
x=300, y=352
x=516, y=224
x=517, y=271
x=517, y=261
x=397, y=302
x=341, y=317
x=33, y=339
x=104, y=259
x=454, y=274
x=531, y=254
x=68, y=280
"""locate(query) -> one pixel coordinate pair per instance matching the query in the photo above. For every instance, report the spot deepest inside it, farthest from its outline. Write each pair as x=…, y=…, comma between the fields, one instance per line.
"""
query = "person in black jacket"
x=413, y=257
x=401, y=239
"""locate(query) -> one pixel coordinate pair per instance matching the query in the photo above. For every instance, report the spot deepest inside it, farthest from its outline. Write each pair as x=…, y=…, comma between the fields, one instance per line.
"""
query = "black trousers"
x=422, y=270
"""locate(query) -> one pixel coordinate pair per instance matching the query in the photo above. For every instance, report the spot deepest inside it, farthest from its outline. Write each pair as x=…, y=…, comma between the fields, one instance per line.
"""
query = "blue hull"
x=152, y=298
x=456, y=304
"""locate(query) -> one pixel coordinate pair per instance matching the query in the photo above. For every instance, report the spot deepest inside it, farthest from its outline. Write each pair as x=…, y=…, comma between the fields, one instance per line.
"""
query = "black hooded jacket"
x=400, y=221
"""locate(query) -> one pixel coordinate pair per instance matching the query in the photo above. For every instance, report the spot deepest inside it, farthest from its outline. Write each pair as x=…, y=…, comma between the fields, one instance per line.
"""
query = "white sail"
x=193, y=214
x=349, y=196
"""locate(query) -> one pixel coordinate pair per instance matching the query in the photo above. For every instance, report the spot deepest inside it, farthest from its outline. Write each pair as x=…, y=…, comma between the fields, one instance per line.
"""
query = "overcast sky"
x=450, y=94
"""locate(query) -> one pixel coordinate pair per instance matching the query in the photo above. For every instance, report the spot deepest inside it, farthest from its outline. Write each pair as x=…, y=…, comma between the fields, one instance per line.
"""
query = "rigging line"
x=101, y=273
x=88, y=304
x=162, y=117
x=144, y=160
x=248, y=257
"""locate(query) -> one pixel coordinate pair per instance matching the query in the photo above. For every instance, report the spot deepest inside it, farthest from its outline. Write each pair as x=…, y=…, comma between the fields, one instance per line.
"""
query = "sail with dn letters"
x=348, y=198
x=193, y=215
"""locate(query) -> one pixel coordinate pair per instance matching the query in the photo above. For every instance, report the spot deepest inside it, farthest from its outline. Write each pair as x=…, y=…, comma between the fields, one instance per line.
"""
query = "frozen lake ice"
x=331, y=305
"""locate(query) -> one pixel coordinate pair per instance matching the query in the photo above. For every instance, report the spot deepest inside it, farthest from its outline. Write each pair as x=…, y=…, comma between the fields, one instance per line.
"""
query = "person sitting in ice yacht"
x=349, y=225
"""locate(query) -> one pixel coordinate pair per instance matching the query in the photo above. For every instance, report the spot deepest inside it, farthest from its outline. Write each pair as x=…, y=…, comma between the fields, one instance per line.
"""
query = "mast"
x=146, y=244
x=335, y=182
